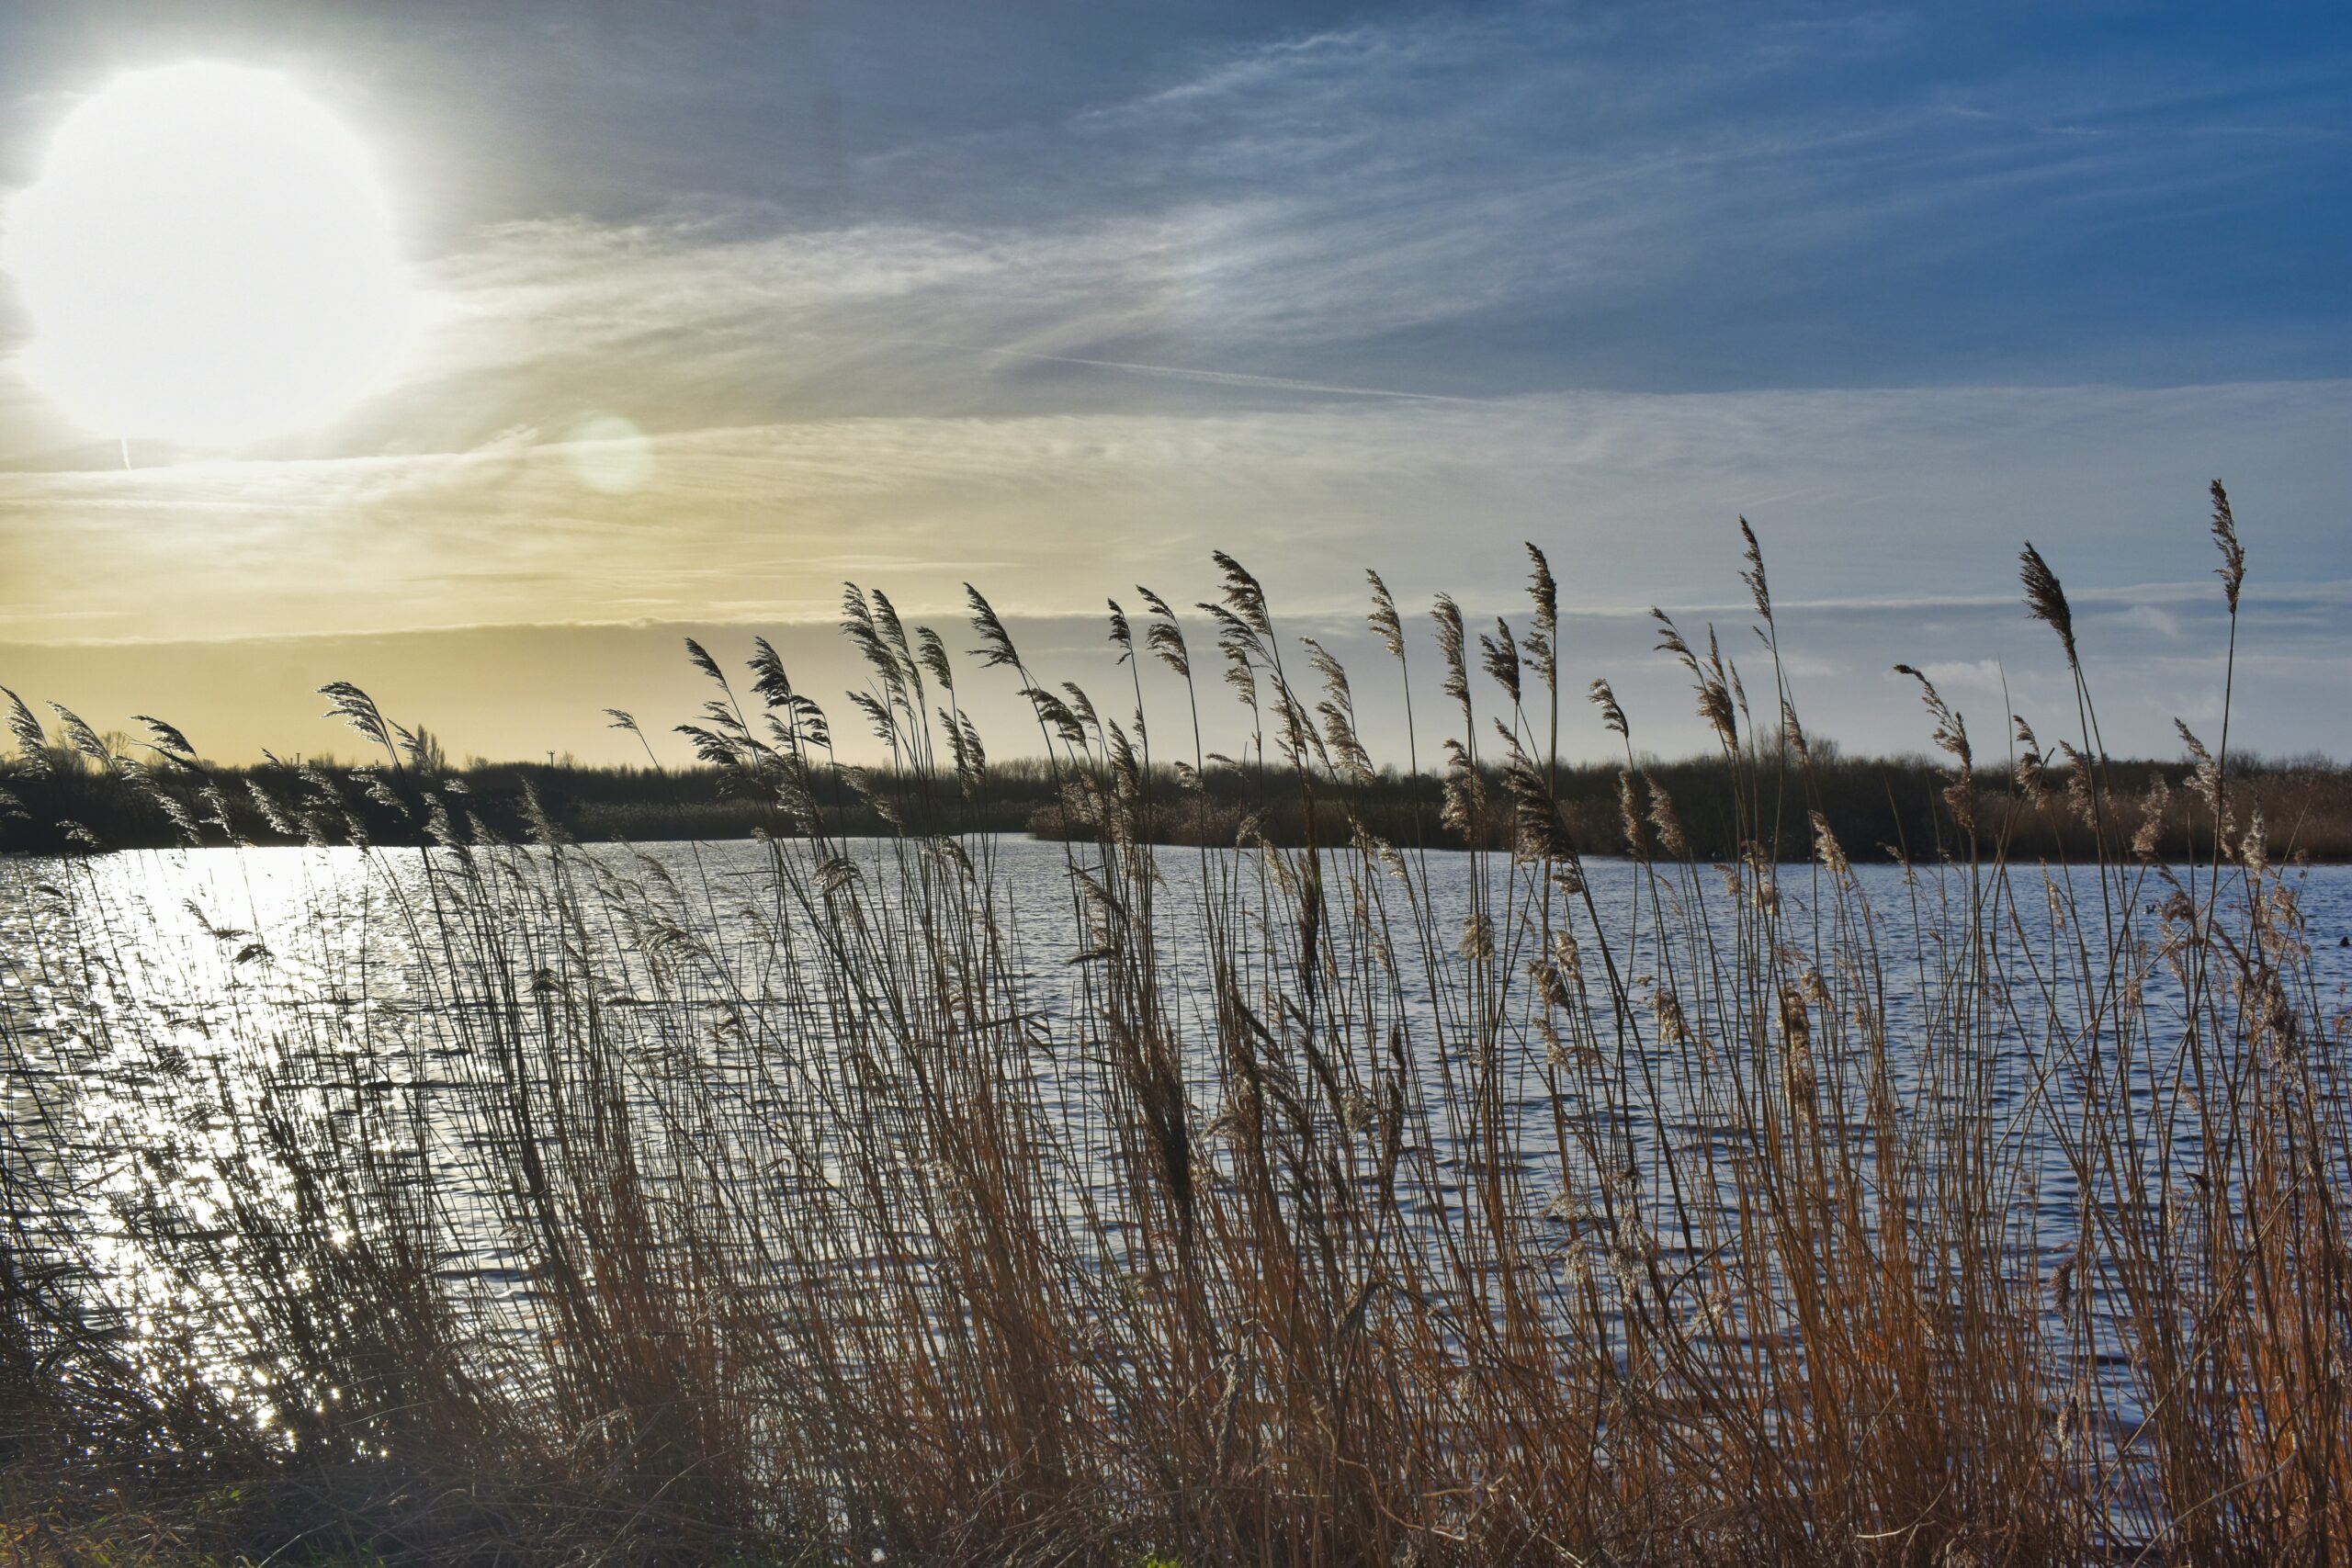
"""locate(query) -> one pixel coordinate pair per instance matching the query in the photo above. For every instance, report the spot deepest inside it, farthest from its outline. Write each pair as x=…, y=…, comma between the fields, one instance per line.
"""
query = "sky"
x=724, y=304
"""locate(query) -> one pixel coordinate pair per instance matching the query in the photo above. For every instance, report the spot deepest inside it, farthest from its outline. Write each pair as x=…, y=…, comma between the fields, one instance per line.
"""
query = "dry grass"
x=1360, y=1208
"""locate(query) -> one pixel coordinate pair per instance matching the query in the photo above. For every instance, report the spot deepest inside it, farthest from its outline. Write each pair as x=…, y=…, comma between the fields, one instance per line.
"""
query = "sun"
x=207, y=257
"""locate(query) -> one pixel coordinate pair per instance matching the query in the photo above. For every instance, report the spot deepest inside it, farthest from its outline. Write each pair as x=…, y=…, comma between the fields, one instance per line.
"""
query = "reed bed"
x=1336, y=1204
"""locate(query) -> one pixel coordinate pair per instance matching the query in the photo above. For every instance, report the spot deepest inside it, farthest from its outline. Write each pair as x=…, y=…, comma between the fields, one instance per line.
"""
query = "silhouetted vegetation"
x=1330, y=1204
x=1882, y=808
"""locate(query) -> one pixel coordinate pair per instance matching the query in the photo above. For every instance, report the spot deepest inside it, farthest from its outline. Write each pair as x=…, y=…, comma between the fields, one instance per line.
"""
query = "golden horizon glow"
x=208, y=257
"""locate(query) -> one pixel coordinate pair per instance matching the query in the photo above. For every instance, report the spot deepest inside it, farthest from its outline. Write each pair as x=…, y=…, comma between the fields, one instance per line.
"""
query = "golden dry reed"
x=1350, y=1203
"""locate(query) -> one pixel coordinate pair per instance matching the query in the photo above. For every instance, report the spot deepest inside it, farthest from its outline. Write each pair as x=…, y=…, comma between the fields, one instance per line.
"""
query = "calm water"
x=159, y=1008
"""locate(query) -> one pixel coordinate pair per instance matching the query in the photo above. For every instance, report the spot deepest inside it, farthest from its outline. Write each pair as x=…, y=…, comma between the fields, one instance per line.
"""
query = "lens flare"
x=610, y=453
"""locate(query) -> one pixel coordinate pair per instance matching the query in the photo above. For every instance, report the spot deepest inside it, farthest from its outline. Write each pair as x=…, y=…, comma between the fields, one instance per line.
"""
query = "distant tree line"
x=63, y=798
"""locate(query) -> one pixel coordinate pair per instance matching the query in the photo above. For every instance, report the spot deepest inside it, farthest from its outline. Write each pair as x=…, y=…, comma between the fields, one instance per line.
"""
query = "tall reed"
x=1350, y=1202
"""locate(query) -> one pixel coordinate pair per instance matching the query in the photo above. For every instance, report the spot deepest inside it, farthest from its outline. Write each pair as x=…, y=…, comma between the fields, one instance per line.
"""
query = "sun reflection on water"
x=226, y=1069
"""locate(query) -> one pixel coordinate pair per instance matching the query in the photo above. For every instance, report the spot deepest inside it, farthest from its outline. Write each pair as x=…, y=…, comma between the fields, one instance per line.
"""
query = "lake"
x=175, y=1022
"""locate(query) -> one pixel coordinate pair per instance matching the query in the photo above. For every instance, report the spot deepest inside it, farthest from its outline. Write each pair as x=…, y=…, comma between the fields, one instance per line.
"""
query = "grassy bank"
x=1354, y=1211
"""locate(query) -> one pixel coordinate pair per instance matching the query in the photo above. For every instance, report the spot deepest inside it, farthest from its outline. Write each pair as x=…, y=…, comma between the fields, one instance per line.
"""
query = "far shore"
x=1879, y=809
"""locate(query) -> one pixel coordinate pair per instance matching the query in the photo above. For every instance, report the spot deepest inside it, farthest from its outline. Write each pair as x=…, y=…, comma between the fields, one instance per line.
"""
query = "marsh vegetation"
x=1329, y=1196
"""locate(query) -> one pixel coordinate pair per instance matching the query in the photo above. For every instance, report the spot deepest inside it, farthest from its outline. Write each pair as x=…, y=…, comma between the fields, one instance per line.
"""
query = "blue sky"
x=1056, y=296
x=1661, y=197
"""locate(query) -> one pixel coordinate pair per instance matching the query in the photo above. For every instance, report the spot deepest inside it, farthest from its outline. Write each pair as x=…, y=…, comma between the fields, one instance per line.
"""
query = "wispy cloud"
x=1401, y=293
x=1899, y=498
x=1449, y=204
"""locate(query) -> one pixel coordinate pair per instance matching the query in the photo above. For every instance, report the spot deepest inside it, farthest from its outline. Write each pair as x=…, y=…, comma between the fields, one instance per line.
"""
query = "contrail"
x=1186, y=373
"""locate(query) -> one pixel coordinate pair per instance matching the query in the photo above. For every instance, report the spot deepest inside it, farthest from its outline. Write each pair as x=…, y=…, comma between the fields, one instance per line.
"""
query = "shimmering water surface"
x=171, y=1019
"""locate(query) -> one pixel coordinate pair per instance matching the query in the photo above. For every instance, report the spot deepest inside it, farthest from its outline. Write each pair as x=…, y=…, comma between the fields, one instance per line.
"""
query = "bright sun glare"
x=207, y=257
